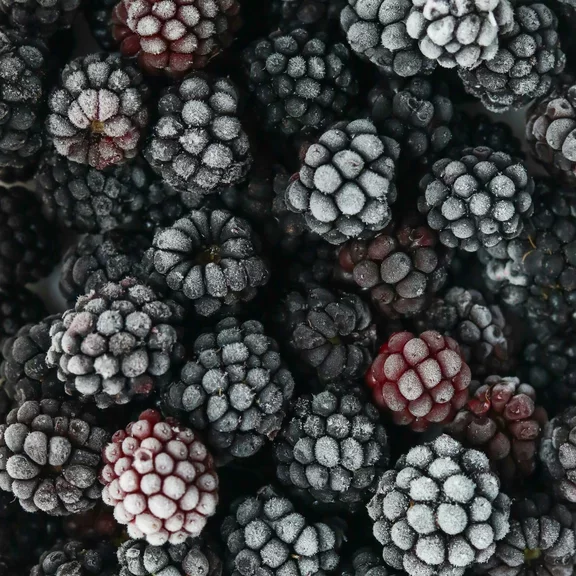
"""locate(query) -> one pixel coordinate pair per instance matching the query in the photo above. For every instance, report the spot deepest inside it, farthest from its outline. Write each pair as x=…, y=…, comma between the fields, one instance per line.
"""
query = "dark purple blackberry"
x=38, y=18
x=18, y=306
x=365, y=561
x=98, y=13
x=290, y=14
x=28, y=245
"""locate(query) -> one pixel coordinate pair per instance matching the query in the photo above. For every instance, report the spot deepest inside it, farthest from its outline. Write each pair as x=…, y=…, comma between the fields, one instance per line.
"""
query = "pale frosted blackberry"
x=39, y=18
x=525, y=65
x=50, y=454
x=265, y=534
x=376, y=30
x=300, y=81
x=331, y=332
x=18, y=306
x=440, y=511
x=478, y=200
x=212, y=258
x=98, y=111
x=417, y=113
x=346, y=183
x=24, y=370
x=459, y=33
x=235, y=388
x=333, y=449
x=116, y=343
x=197, y=140
x=101, y=258
x=194, y=557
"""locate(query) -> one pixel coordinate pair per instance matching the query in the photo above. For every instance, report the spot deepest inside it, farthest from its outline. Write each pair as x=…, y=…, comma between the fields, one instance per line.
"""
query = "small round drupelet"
x=35, y=18
x=18, y=306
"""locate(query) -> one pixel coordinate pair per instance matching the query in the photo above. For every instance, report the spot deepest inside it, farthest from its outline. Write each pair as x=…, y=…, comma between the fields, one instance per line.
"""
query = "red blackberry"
x=160, y=478
x=173, y=37
x=422, y=380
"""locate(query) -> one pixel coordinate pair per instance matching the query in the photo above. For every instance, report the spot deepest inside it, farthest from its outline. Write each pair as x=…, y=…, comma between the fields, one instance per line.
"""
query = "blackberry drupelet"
x=331, y=332
x=198, y=141
x=160, y=479
x=346, y=183
x=421, y=380
x=97, y=259
x=401, y=268
x=478, y=327
x=35, y=18
x=116, y=343
x=333, y=449
x=29, y=247
x=98, y=111
x=235, y=388
x=194, y=557
x=50, y=453
x=301, y=81
x=175, y=36
x=525, y=65
x=417, y=113
x=377, y=31
x=18, y=306
x=266, y=534
x=212, y=258
x=440, y=511
x=504, y=421
x=98, y=13
x=478, y=200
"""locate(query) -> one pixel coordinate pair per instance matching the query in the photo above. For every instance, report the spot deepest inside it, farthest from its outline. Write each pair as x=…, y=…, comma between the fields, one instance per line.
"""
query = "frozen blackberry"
x=235, y=388
x=18, y=306
x=74, y=557
x=333, y=449
x=525, y=65
x=301, y=81
x=101, y=258
x=331, y=332
x=194, y=557
x=504, y=421
x=541, y=540
x=377, y=31
x=98, y=111
x=35, y=18
x=29, y=248
x=24, y=370
x=365, y=561
x=417, y=113
x=98, y=13
x=478, y=200
x=172, y=37
x=314, y=262
x=50, y=453
x=198, y=140
x=440, y=511
x=346, y=183
x=289, y=14
x=116, y=343
x=266, y=534
x=401, y=268
x=478, y=327
x=212, y=258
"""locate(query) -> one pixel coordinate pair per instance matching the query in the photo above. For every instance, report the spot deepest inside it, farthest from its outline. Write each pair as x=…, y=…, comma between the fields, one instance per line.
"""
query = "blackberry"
x=478, y=327
x=346, y=183
x=50, y=456
x=417, y=113
x=29, y=248
x=377, y=31
x=333, y=449
x=175, y=36
x=18, y=306
x=98, y=111
x=301, y=81
x=35, y=18
x=365, y=561
x=266, y=534
x=198, y=140
x=440, y=510
x=101, y=258
x=401, y=268
x=116, y=343
x=235, y=388
x=74, y=557
x=525, y=65
x=290, y=14
x=459, y=33
x=195, y=557
x=478, y=200
x=24, y=370
x=212, y=258
x=98, y=13
x=331, y=332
